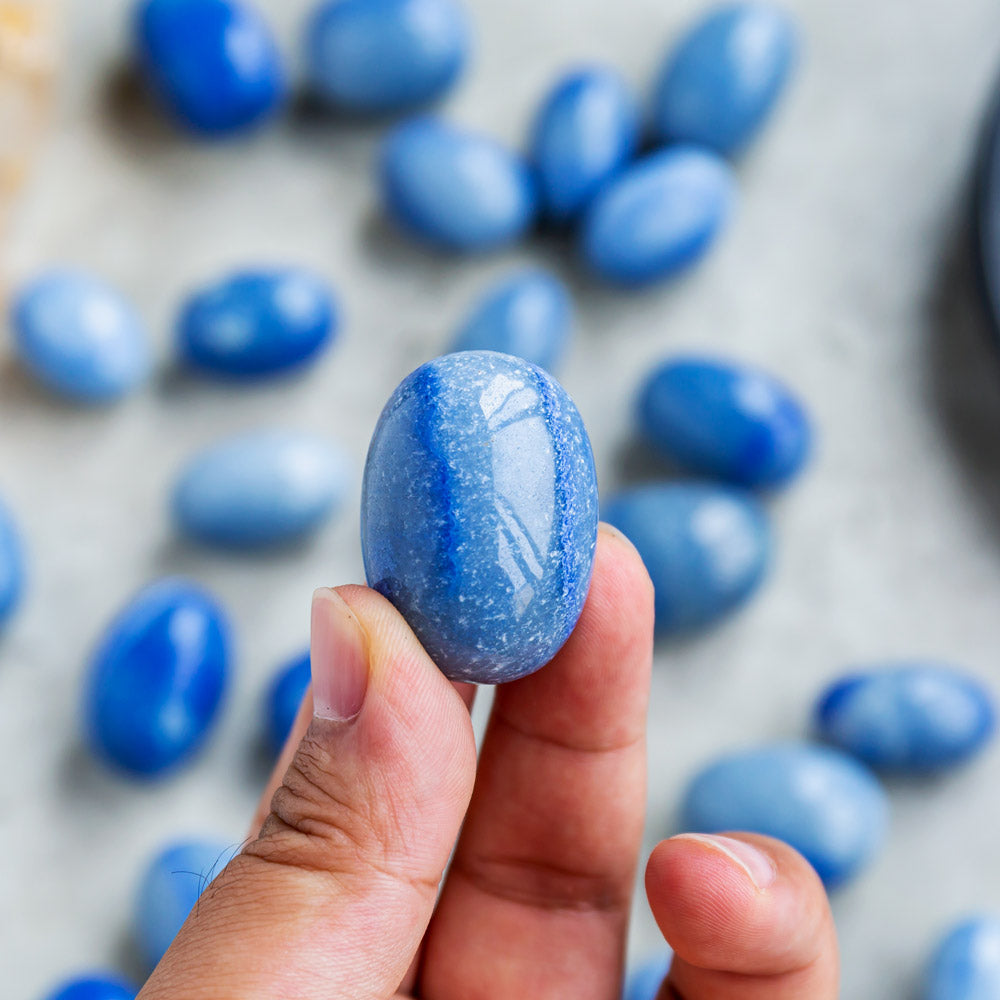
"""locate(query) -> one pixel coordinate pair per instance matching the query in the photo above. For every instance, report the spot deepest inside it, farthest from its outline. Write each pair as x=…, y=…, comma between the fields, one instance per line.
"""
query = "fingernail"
x=339, y=654
x=754, y=862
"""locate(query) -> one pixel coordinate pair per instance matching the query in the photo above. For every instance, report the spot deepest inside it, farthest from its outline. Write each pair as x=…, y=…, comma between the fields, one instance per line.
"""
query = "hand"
x=337, y=896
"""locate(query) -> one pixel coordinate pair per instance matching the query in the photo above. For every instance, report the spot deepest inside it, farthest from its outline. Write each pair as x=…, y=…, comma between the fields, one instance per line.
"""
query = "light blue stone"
x=707, y=548
x=586, y=131
x=169, y=888
x=374, y=56
x=722, y=81
x=966, y=964
x=261, y=488
x=156, y=680
x=820, y=801
x=284, y=696
x=454, y=189
x=659, y=216
x=527, y=314
x=11, y=565
x=725, y=420
x=479, y=513
x=79, y=337
x=95, y=986
x=907, y=717
x=644, y=981
x=257, y=322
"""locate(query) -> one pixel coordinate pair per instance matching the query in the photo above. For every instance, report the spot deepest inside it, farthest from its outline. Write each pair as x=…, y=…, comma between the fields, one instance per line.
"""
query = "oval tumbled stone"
x=104, y=986
x=156, y=679
x=479, y=513
x=723, y=79
x=659, y=216
x=966, y=963
x=455, y=189
x=725, y=420
x=11, y=565
x=284, y=696
x=908, y=717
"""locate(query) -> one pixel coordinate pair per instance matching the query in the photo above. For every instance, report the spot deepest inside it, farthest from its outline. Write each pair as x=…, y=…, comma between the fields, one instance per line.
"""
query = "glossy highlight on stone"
x=527, y=314
x=284, y=696
x=377, y=56
x=723, y=79
x=96, y=986
x=257, y=322
x=260, y=488
x=644, y=981
x=215, y=64
x=966, y=963
x=156, y=680
x=586, y=131
x=706, y=548
x=907, y=717
x=11, y=565
x=454, y=189
x=479, y=513
x=79, y=337
x=725, y=420
x=820, y=801
x=658, y=216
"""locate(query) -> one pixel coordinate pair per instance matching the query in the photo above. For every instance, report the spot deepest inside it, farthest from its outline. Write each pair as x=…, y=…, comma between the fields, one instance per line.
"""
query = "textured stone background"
x=842, y=272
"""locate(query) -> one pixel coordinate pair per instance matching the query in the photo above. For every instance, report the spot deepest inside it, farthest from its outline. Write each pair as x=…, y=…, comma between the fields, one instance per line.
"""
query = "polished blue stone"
x=966, y=964
x=723, y=79
x=821, y=801
x=479, y=513
x=170, y=886
x=707, y=548
x=260, y=488
x=659, y=216
x=11, y=565
x=284, y=696
x=257, y=322
x=215, y=64
x=644, y=981
x=79, y=337
x=725, y=420
x=156, y=680
x=908, y=717
x=379, y=56
x=99, y=986
x=528, y=314
x=454, y=189
x=586, y=131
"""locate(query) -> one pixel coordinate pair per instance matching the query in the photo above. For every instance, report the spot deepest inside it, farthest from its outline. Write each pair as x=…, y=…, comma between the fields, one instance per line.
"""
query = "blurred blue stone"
x=284, y=696
x=658, y=216
x=257, y=322
x=644, y=981
x=907, y=717
x=454, y=189
x=707, y=548
x=79, y=337
x=479, y=513
x=260, y=488
x=214, y=63
x=97, y=986
x=725, y=420
x=378, y=56
x=156, y=679
x=169, y=888
x=527, y=314
x=722, y=80
x=586, y=131
x=820, y=801
x=966, y=964
x=11, y=565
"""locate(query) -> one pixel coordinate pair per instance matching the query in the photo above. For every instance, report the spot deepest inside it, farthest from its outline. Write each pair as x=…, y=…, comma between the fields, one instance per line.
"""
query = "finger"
x=332, y=899
x=747, y=917
x=536, y=901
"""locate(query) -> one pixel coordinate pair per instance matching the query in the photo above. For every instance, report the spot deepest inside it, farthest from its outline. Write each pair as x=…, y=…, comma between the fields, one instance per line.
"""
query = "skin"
x=336, y=894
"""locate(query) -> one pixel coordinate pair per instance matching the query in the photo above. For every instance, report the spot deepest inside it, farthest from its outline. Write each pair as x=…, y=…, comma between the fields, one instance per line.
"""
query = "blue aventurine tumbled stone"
x=908, y=717
x=644, y=981
x=214, y=63
x=725, y=420
x=659, y=216
x=724, y=77
x=455, y=189
x=11, y=565
x=706, y=548
x=966, y=964
x=479, y=513
x=284, y=696
x=586, y=131
x=527, y=314
x=385, y=55
x=156, y=679
x=98, y=986
x=819, y=800
x=79, y=337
